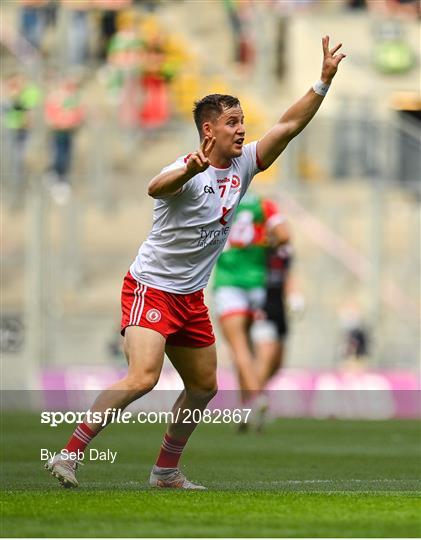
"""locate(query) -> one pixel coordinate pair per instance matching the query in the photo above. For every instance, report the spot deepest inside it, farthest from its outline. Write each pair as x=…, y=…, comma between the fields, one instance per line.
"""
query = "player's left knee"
x=211, y=391
x=203, y=392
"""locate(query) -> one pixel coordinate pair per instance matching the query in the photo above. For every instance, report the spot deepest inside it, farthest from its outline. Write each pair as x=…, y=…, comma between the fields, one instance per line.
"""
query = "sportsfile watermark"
x=118, y=416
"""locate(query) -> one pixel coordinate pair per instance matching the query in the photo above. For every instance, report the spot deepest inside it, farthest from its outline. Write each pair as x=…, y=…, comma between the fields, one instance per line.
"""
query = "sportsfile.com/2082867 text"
x=112, y=415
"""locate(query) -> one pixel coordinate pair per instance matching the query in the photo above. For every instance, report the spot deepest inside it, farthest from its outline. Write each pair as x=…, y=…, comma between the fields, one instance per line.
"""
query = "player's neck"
x=220, y=162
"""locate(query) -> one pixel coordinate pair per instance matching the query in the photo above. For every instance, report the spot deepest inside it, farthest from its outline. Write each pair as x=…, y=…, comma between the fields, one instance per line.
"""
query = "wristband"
x=321, y=88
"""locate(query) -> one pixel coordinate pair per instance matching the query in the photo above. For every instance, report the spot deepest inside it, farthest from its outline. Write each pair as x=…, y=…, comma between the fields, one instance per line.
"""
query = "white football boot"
x=64, y=470
x=162, y=477
x=261, y=412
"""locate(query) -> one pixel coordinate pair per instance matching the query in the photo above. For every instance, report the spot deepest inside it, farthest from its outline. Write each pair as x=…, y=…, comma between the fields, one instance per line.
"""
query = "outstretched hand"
x=199, y=161
x=331, y=60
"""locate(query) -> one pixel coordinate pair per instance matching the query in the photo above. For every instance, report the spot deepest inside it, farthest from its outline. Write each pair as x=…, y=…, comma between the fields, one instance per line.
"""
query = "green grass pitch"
x=302, y=478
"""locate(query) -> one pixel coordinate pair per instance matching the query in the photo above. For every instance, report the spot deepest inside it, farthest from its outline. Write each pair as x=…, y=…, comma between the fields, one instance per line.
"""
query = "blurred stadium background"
x=96, y=98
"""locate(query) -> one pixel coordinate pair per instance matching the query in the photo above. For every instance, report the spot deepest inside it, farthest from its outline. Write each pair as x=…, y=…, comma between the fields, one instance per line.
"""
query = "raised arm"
x=170, y=182
x=295, y=119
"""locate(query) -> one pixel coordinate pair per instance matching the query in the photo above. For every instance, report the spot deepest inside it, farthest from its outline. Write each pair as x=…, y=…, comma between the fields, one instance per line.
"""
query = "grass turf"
x=317, y=478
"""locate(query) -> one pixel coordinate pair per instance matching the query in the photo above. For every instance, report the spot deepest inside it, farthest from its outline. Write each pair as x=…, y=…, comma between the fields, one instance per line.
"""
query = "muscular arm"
x=170, y=182
x=295, y=119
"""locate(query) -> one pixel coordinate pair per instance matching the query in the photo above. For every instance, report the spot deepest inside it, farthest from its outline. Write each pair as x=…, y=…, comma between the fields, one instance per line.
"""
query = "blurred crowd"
x=121, y=43
x=117, y=65
x=145, y=70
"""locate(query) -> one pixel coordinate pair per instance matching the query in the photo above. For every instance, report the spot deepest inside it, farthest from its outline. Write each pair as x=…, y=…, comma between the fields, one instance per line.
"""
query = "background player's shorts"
x=237, y=301
x=272, y=325
x=183, y=319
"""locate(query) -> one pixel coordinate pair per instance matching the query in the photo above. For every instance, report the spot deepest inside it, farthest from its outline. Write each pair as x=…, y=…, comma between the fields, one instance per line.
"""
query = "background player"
x=249, y=284
x=162, y=296
x=240, y=280
x=270, y=330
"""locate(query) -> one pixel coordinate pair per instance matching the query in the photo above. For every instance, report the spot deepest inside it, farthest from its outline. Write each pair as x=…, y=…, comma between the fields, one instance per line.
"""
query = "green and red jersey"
x=243, y=263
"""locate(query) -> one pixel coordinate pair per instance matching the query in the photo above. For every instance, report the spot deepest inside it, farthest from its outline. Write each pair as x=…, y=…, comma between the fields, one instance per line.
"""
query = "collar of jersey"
x=219, y=169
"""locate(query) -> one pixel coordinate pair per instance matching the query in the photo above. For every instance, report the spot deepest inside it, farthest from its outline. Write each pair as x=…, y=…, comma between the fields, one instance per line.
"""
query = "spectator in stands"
x=409, y=8
x=240, y=14
x=158, y=68
x=124, y=60
x=77, y=31
x=392, y=52
x=64, y=114
x=33, y=20
x=404, y=8
x=355, y=4
x=21, y=98
x=108, y=22
x=50, y=11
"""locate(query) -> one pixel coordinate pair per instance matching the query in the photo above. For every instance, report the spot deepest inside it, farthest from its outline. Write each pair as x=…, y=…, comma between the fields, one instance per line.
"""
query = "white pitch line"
x=344, y=481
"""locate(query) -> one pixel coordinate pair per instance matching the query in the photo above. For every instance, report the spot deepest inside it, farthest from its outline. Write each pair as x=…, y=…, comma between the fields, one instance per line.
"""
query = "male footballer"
x=162, y=297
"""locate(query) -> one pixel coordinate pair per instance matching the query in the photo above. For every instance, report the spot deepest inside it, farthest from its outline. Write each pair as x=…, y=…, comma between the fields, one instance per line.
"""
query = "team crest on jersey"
x=153, y=315
x=235, y=182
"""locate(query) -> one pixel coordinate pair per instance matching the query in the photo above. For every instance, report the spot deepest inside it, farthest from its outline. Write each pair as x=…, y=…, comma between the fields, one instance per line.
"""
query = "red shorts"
x=183, y=319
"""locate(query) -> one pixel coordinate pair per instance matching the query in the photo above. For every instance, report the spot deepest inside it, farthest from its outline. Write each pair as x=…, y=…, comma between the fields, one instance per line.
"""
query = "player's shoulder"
x=247, y=162
x=249, y=151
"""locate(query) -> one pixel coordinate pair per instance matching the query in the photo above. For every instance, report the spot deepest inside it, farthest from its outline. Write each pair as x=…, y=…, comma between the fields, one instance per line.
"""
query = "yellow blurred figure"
x=150, y=29
x=126, y=20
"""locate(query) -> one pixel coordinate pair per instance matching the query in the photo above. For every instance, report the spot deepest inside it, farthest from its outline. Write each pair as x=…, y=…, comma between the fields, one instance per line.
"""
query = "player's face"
x=229, y=132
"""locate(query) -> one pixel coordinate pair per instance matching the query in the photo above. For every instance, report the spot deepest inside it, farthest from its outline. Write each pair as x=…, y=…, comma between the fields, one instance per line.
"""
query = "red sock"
x=80, y=439
x=170, y=452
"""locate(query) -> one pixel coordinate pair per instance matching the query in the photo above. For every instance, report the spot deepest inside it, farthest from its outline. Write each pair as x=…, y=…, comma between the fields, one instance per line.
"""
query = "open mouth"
x=239, y=142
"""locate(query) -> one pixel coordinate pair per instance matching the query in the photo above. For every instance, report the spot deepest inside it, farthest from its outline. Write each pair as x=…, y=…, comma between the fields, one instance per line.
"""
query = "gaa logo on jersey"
x=235, y=182
x=153, y=315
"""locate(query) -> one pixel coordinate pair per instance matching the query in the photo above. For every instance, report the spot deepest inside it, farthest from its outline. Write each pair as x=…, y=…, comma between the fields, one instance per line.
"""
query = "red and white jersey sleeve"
x=190, y=229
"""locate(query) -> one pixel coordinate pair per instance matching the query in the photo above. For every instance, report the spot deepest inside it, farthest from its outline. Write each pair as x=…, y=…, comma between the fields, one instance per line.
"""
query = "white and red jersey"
x=190, y=229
